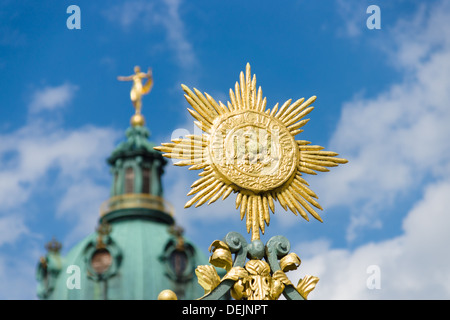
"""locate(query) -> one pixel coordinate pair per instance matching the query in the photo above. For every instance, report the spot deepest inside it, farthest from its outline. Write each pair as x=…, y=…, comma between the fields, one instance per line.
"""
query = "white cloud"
x=148, y=16
x=17, y=275
x=397, y=140
x=36, y=149
x=65, y=166
x=354, y=17
x=417, y=37
x=397, y=144
x=80, y=204
x=176, y=34
x=131, y=12
x=412, y=266
x=11, y=228
x=51, y=98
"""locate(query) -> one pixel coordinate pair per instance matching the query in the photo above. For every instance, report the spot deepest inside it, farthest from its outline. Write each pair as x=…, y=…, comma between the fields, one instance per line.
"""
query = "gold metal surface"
x=306, y=285
x=167, y=295
x=250, y=150
x=290, y=262
x=138, y=89
x=254, y=281
x=136, y=200
x=221, y=256
x=207, y=277
x=137, y=120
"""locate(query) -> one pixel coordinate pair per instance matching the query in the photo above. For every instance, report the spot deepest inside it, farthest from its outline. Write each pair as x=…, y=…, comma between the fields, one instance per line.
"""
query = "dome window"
x=129, y=180
x=146, y=180
x=101, y=261
x=103, y=256
x=179, y=257
x=178, y=260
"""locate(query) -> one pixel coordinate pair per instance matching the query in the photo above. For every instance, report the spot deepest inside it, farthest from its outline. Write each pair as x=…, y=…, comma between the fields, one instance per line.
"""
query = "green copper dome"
x=137, y=144
x=137, y=250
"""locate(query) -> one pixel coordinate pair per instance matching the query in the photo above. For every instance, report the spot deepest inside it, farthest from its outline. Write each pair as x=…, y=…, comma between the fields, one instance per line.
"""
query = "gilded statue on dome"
x=138, y=89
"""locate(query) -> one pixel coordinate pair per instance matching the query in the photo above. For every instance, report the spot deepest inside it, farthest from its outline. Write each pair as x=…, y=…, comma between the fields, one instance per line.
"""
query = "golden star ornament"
x=251, y=151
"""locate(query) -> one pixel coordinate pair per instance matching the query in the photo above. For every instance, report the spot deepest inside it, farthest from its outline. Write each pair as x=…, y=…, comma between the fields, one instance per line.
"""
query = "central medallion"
x=253, y=150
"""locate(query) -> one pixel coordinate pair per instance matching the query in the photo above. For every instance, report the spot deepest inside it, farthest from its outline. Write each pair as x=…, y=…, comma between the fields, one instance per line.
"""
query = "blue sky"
x=383, y=103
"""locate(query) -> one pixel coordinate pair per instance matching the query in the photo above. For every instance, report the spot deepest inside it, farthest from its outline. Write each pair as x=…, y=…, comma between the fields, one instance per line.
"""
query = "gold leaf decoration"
x=258, y=267
x=290, y=262
x=221, y=255
x=207, y=277
x=282, y=277
x=306, y=285
x=235, y=274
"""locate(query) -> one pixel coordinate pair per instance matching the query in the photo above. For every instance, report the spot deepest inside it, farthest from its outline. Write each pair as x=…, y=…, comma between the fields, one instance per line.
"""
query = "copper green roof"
x=137, y=144
x=143, y=267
